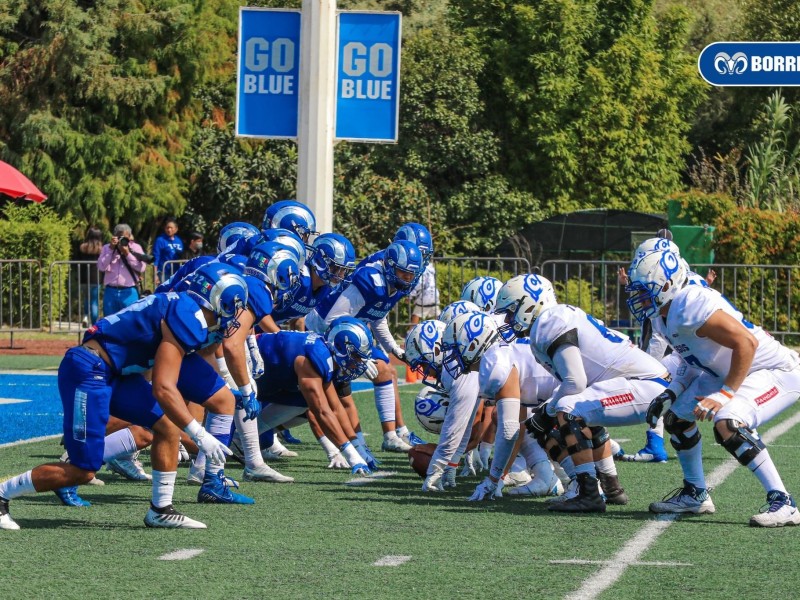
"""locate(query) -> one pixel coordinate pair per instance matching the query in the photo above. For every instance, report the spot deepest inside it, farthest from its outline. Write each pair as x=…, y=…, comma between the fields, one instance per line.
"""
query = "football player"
x=482, y=291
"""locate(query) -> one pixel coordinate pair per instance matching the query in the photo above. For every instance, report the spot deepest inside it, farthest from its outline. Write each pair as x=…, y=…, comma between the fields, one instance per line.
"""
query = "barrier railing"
x=20, y=296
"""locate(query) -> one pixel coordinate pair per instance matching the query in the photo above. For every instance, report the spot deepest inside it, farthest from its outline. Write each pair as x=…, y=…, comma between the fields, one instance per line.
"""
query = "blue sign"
x=268, y=83
x=751, y=63
x=368, y=76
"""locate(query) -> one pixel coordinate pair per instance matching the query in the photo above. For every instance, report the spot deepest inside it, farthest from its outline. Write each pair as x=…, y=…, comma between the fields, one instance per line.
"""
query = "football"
x=419, y=457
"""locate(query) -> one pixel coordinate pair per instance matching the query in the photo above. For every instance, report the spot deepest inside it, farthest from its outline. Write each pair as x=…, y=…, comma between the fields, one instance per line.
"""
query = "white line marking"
x=13, y=401
x=30, y=441
x=647, y=535
x=184, y=554
x=391, y=561
x=656, y=563
x=370, y=478
x=621, y=440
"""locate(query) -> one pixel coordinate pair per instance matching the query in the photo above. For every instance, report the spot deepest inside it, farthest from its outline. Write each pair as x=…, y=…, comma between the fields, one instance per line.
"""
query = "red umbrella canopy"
x=15, y=184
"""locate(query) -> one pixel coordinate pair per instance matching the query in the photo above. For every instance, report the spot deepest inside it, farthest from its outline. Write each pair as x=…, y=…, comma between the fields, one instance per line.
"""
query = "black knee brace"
x=555, y=451
x=575, y=426
x=599, y=436
x=744, y=444
x=684, y=435
x=343, y=390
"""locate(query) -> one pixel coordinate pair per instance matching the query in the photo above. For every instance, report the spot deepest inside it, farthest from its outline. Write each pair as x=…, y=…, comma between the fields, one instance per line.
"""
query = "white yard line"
x=370, y=478
x=391, y=561
x=184, y=554
x=13, y=401
x=30, y=441
x=655, y=563
x=647, y=535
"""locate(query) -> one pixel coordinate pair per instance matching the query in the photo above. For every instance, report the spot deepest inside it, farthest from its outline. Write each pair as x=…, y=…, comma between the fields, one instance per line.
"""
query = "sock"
x=249, y=438
x=17, y=486
x=390, y=435
x=384, y=401
x=659, y=428
x=329, y=447
x=763, y=468
x=606, y=466
x=119, y=444
x=692, y=464
x=163, y=487
x=402, y=430
x=587, y=468
x=266, y=439
x=220, y=427
x=569, y=467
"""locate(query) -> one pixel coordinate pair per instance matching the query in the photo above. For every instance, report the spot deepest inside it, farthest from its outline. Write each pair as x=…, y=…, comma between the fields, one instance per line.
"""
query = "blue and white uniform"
x=303, y=301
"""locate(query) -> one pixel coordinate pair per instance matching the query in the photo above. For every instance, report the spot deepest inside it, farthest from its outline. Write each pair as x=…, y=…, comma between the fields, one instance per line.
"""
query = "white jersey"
x=536, y=384
x=606, y=353
x=691, y=307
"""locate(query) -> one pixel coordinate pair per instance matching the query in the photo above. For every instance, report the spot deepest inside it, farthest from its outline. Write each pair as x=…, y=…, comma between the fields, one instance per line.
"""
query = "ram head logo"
x=730, y=65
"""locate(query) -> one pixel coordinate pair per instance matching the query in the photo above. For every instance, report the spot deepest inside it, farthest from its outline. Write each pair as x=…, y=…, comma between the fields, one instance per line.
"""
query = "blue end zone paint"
x=40, y=413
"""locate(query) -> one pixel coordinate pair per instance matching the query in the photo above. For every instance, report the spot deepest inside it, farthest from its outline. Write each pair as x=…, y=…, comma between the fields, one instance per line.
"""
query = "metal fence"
x=20, y=296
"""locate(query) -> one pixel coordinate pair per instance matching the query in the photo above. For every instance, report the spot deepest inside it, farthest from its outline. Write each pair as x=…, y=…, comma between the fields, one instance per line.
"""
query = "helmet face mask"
x=402, y=265
x=654, y=279
x=220, y=289
x=424, y=351
x=274, y=264
x=333, y=259
x=466, y=339
x=350, y=344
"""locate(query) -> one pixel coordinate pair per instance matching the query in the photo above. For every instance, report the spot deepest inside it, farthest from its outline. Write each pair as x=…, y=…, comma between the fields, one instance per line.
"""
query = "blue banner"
x=368, y=76
x=737, y=64
x=268, y=83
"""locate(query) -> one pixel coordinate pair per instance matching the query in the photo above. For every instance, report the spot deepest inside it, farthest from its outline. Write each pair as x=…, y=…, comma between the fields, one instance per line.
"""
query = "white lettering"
x=366, y=89
x=348, y=88
x=380, y=60
x=791, y=63
x=283, y=55
x=779, y=63
x=258, y=58
x=755, y=63
x=354, y=62
x=269, y=84
x=767, y=63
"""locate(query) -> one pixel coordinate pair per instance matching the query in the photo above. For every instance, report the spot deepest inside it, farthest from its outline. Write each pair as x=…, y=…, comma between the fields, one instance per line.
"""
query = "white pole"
x=317, y=102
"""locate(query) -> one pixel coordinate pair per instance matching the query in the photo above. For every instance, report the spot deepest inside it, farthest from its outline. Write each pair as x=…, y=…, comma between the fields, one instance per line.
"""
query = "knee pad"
x=575, y=426
x=599, y=436
x=555, y=449
x=683, y=435
x=744, y=445
x=343, y=390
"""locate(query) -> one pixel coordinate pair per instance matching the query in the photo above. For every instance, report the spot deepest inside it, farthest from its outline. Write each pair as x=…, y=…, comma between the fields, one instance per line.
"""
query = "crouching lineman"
x=605, y=381
x=300, y=369
x=733, y=373
x=157, y=331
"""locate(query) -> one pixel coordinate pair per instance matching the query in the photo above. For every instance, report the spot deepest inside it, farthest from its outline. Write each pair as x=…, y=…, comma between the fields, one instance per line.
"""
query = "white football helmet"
x=466, y=338
x=482, y=291
x=649, y=276
x=431, y=406
x=424, y=350
x=653, y=244
x=459, y=307
x=521, y=300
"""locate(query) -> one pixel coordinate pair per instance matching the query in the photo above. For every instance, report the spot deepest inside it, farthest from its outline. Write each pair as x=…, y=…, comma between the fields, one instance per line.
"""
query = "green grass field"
x=319, y=538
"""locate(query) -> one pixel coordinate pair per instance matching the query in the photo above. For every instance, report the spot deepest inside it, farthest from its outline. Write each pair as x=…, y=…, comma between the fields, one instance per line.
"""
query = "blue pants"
x=115, y=299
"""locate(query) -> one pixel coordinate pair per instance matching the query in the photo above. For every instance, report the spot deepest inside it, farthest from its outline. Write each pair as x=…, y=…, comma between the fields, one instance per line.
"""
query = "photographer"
x=122, y=266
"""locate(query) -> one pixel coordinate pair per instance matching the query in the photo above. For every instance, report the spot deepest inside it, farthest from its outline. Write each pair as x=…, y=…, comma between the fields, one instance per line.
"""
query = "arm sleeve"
x=568, y=362
x=457, y=425
x=348, y=303
x=384, y=336
x=684, y=375
x=104, y=260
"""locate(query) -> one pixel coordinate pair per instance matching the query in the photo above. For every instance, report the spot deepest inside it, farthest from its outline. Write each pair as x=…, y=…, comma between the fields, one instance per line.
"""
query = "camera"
x=146, y=258
x=123, y=242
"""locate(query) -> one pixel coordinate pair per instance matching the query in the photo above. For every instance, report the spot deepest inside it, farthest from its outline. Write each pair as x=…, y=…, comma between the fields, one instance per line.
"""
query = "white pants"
x=611, y=403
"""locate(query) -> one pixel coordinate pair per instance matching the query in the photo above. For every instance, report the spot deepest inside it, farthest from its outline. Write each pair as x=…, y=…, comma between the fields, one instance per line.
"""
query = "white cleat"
x=516, y=478
x=394, y=444
x=265, y=473
x=129, y=467
x=538, y=488
x=277, y=450
x=687, y=499
x=169, y=518
x=780, y=512
x=6, y=522
x=195, y=476
x=96, y=481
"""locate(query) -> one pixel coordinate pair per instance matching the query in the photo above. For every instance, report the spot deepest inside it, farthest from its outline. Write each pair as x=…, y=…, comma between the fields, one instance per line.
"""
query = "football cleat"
x=6, y=522
x=129, y=467
x=169, y=518
x=612, y=490
x=286, y=437
x=539, y=487
x=653, y=451
x=588, y=498
x=395, y=444
x=183, y=454
x=277, y=450
x=69, y=496
x=516, y=478
x=265, y=473
x=781, y=510
x=688, y=499
x=216, y=490
x=412, y=439
x=616, y=450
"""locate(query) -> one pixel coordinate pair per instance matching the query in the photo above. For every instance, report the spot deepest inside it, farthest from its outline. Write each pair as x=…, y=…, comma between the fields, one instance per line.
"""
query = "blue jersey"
x=131, y=336
x=186, y=269
x=279, y=351
x=370, y=281
x=304, y=299
x=374, y=257
x=259, y=298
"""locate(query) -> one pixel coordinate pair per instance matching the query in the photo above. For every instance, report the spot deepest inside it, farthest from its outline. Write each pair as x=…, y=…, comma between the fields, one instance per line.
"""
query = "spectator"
x=89, y=276
x=168, y=246
x=195, y=247
x=121, y=269
x=425, y=297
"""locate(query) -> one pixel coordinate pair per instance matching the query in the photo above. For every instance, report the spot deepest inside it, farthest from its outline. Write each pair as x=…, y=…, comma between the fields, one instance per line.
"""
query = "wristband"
x=246, y=390
x=193, y=428
x=727, y=391
x=451, y=464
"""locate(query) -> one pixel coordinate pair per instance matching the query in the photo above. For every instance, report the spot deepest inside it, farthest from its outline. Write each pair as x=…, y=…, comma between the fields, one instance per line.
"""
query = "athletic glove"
x=469, y=463
x=360, y=469
x=658, y=405
x=357, y=464
x=399, y=353
x=183, y=454
x=433, y=482
x=366, y=454
x=539, y=423
x=337, y=461
x=214, y=450
x=372, y=369
x=487, y=490
x=449, y=477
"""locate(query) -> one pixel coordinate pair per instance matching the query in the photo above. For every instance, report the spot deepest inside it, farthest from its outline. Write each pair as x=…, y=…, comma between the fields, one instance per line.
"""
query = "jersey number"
x=693, y=360
x=605, y=331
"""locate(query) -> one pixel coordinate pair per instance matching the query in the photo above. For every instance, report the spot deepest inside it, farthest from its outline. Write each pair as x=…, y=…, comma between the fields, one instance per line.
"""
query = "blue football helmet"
x=482, y=291
x=350, y=344
x=424, y=352
x=419, y=235
x=334, y=259
x=223, y=291
x=648, y=278
x=235, y=260
x=291, y=215
x=275, y=265
x=403, y=265
x=233, y=232
x=289, y=239
x=459, y=307
x=465, y=340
